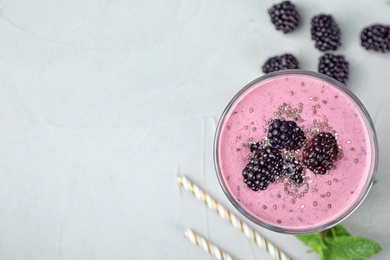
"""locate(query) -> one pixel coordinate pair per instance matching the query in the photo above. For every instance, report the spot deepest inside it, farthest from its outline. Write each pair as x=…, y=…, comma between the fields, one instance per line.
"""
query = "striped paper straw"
x=207, y=245
x=235, y=221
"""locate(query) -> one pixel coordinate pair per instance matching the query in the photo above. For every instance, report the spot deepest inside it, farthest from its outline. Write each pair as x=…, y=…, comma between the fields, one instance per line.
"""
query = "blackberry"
x=376, y=37
x=285, y=134
x=335, y=66
x=264, y=168
x=284, y=16
x=294, y=169
x=320, y=153
x=285, y=61
x=325, y=32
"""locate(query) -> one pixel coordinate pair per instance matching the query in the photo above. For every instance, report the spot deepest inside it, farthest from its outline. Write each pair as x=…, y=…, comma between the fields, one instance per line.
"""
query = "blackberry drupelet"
x=256, y=147
x=335, y=66
x=285, y=61
x=376, y=37
x=321, y=153
x=294, y=169
x=264, y=168
x=284, y=16
x=325, y=32
x=285, y=134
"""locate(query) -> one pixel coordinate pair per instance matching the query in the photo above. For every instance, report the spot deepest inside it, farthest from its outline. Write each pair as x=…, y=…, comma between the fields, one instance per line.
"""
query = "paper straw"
x=235, y=221
x=207, y=245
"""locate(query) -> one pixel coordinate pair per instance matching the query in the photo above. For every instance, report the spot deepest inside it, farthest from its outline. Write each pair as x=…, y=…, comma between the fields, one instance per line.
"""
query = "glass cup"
x=321, y=104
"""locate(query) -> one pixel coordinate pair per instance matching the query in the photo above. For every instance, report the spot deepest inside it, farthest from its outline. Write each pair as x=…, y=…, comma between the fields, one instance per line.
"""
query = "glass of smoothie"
x=295, y=152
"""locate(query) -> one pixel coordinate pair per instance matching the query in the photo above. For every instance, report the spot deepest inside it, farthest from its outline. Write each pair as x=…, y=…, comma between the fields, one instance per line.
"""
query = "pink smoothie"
x=323, y=199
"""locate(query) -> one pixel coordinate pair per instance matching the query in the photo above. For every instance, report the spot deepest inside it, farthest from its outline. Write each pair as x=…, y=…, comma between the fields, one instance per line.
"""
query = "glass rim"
x=371, y=133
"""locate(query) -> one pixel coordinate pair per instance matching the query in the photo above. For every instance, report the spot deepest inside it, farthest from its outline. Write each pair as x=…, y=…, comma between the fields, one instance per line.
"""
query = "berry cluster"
x=325, y=32
x=334, y=66
x=321, y=153
x=269, y=164
x=284, y=16
x=285, y=61
x=327, y=36
x=263, y=169
x=376, y=37
x=285, y=134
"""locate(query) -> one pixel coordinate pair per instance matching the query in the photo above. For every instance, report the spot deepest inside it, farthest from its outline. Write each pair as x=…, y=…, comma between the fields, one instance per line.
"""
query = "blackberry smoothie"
x=295, y=152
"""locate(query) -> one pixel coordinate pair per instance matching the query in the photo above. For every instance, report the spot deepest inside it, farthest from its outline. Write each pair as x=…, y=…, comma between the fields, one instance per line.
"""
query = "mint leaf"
x=337, y=243
x=340, y=231
x=314, y=241
x=350, y=247
x=310, y=239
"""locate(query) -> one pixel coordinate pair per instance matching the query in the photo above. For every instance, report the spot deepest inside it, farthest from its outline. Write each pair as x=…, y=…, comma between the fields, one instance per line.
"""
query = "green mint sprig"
x=337, y=243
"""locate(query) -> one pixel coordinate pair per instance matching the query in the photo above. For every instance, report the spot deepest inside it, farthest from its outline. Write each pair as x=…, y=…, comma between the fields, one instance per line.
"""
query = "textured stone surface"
x=97, y=98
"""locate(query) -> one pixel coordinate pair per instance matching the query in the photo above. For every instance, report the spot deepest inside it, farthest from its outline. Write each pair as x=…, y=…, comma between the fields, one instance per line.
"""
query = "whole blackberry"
x=320, y=153
x=284, y=16
x=263, y=169
x=376, y=37
x=285, y=61
x=285, y=134
x=335, y=66
x=294, y=169
x=325, y=32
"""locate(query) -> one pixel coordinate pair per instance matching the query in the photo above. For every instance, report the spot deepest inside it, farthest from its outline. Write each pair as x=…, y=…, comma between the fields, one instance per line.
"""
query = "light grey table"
x=104, y=103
